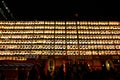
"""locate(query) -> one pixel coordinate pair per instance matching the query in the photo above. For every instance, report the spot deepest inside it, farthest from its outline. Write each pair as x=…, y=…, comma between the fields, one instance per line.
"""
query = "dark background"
x=61, y=10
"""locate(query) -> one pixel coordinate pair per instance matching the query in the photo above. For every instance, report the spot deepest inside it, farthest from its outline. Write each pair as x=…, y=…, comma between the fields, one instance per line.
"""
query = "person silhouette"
x=34, y=73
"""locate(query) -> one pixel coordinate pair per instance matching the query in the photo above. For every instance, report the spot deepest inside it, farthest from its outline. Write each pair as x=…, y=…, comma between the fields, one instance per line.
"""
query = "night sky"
x=61, y=10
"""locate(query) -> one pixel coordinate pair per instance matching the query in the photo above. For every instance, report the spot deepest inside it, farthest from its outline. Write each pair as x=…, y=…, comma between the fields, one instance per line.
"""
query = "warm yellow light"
x=103, y=23
x=60, y=22
x=70, y=22
x=113, y=23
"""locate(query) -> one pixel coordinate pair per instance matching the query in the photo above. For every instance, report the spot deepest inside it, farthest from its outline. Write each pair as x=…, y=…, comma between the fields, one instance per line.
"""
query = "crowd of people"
x=73, y=72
